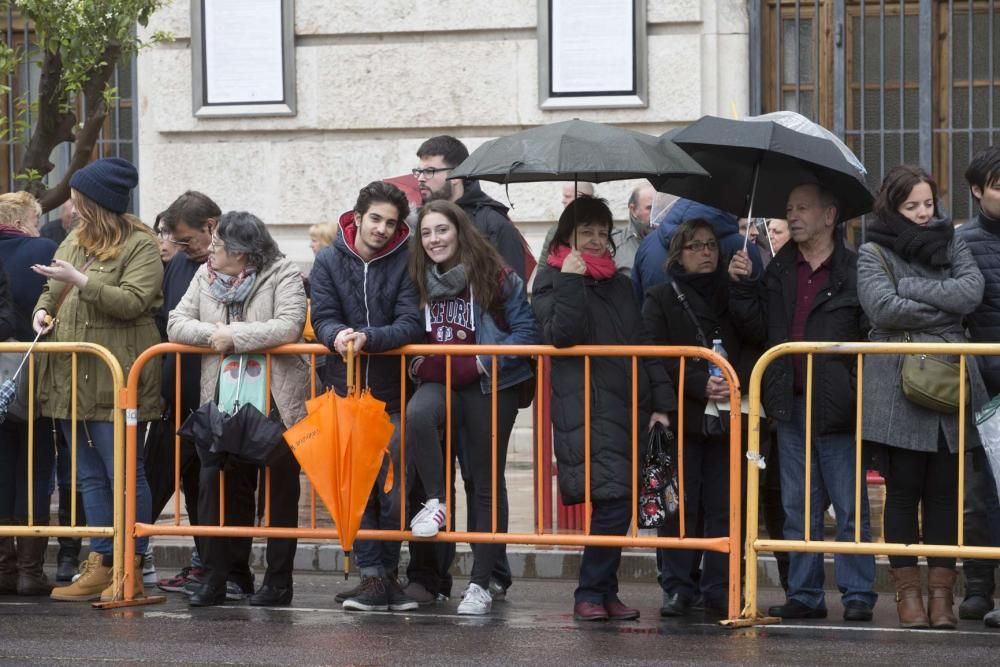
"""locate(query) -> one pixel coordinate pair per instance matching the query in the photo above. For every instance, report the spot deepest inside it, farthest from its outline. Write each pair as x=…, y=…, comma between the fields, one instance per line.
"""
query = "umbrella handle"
x=350, y=367
x=753, y=193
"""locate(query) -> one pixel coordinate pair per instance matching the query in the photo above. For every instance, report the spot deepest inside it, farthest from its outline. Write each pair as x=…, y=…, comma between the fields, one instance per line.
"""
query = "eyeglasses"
x=217, y=242
x=429, y=172
x=171, y=239
x=698, y=246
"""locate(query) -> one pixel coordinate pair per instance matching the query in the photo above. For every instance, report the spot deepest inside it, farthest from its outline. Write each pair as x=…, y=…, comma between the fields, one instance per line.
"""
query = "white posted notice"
x=592, y=45
x=243, y=51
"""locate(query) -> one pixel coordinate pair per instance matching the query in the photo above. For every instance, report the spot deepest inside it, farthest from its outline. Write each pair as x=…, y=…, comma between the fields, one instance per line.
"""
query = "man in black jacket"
x=188, y=223
x=362, y=294
x=438, y=157
x=809, y=293
x=982, y=510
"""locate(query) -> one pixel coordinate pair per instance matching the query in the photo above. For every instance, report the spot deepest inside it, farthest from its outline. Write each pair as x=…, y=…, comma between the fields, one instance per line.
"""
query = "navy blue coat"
x=651, y=258
x=377, y=298
x=982, y=235
x=18, y=253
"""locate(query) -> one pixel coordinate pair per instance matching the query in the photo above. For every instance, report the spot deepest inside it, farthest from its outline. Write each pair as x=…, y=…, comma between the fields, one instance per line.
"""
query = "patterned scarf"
x=231, y=291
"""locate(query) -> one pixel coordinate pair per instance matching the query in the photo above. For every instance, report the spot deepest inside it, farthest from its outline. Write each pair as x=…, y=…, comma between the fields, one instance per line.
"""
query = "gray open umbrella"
x=576, y=150
x=756, y=163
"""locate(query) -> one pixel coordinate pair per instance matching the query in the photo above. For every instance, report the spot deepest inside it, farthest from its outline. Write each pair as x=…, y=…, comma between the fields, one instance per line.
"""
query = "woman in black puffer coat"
x=580, y=299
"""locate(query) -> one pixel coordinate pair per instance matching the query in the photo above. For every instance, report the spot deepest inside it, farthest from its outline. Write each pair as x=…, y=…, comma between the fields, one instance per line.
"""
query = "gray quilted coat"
x=273, y=314
x=929, y=304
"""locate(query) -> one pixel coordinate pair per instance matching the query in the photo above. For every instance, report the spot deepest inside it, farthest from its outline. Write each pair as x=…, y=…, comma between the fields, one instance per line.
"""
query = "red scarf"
x=13, y=229
x=598, y=268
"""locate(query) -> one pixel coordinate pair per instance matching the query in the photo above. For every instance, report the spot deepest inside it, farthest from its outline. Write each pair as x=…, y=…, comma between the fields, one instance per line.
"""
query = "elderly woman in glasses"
x=247, y=297
x=691, y=308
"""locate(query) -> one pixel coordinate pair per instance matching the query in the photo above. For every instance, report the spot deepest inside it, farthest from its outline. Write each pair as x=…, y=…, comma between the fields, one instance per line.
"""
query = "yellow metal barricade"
x=114, y=531
x=729, y=544
x=751, y=615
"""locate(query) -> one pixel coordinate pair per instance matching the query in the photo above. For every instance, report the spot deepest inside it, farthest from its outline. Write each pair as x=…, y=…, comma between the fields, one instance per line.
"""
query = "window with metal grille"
x=118, y=136
x=910, y=81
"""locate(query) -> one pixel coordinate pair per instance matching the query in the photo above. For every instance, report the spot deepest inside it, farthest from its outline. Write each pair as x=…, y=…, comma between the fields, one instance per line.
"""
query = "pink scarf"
x=598, y=268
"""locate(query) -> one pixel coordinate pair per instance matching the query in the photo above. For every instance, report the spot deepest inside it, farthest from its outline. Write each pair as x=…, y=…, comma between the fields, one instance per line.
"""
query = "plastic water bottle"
x=714, y=370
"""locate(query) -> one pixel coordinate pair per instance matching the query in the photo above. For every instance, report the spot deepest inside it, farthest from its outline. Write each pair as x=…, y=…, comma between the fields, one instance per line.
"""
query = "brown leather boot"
x=31, y=579
x=941, y=598
x=8, y=566
x=909, y=598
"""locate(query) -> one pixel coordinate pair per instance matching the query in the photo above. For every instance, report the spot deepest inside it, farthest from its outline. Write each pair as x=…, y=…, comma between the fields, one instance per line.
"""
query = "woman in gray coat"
x=916, y=279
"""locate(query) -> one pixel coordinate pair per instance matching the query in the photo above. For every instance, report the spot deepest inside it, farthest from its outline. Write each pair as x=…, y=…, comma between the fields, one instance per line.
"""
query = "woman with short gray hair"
x=247, y=297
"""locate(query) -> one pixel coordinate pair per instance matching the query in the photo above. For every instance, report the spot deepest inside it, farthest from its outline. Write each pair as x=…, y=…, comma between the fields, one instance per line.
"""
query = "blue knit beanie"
x=108, y=182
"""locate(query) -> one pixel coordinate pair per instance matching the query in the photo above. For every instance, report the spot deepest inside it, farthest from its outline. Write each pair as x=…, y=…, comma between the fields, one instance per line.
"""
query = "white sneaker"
x=429, y=520
x=477, y=601
x=148, y=567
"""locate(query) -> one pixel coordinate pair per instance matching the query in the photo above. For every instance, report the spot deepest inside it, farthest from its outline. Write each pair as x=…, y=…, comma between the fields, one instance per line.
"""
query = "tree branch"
x=86, y=138
x=53, y=125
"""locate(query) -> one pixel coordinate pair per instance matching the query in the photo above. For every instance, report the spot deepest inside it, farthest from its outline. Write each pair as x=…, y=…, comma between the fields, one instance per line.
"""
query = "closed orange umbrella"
x=340, y=446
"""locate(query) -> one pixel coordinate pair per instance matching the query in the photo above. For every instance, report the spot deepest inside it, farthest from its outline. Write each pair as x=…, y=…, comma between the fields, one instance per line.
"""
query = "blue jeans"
x=95, y=474
x=378, y=557
x=832, y=477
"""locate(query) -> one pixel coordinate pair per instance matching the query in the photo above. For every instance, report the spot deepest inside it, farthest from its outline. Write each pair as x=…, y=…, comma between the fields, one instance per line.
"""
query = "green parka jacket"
x=115, y=310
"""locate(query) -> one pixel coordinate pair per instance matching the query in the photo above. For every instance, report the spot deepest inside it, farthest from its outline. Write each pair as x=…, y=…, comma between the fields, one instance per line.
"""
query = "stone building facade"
x=375, y=78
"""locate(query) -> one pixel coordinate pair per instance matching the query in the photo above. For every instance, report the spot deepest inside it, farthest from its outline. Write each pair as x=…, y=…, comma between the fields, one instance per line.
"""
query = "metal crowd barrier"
x=750, y=614
x=73, y=530
x=729, y=544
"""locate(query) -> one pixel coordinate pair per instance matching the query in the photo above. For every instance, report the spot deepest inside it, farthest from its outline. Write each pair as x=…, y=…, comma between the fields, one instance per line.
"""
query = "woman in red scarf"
x=580, y=299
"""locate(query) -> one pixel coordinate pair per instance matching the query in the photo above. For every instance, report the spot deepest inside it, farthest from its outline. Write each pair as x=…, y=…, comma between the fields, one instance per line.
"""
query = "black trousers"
x=159, y=462
x=471, y=416
x=927, y=482
x=229, y=558
x=598, y=578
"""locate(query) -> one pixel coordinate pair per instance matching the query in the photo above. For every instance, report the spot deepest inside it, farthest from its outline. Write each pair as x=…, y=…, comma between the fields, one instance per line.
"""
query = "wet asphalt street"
x=534, y=626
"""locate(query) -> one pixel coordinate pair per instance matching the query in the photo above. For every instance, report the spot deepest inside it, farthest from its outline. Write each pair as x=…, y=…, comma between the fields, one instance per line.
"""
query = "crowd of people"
x=455, y=272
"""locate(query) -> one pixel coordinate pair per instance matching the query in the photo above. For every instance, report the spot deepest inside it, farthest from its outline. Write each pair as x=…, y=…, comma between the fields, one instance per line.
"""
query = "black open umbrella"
x=576, y=150
x=755, y=164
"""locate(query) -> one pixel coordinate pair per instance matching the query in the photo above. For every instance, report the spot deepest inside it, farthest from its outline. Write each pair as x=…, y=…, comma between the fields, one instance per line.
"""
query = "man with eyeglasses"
x=187, y=224
x=809, y=292
x=438, y=158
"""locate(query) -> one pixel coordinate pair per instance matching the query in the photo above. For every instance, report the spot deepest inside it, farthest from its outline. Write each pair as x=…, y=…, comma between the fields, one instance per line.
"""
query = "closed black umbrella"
x=576, y=150
x=251, y=436
x=204, y=428
x=755, y=164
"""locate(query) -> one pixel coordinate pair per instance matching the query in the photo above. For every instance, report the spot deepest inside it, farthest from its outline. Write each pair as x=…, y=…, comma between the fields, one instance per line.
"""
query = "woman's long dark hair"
x=483, y=264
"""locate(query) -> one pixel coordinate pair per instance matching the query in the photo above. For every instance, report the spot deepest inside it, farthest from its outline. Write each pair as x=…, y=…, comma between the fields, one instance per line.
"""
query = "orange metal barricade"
x=729, y=544
x=754, y=544
x=34, y=529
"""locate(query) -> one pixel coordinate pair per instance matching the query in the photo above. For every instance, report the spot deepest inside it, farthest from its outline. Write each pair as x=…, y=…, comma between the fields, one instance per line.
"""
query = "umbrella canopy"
x=204, y=428
x=576, y=150
x=251, y=436
x=755, y=164
x=340, y=445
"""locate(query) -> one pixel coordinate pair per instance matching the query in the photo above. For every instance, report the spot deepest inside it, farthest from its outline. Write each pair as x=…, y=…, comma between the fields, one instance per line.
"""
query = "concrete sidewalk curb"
x=637, y=566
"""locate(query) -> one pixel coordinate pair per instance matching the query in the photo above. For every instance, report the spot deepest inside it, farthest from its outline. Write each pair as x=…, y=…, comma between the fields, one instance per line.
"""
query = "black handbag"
x=658, y=497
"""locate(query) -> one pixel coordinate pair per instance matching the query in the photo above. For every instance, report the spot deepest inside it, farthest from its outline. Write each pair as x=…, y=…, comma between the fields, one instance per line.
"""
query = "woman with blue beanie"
x=104, y=288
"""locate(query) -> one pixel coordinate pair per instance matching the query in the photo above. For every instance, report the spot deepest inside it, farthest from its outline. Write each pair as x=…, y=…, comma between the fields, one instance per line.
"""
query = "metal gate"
x=914, y=81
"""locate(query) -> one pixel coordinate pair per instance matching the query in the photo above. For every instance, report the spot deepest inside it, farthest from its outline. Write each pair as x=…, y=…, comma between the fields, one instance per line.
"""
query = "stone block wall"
x=375, y=78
